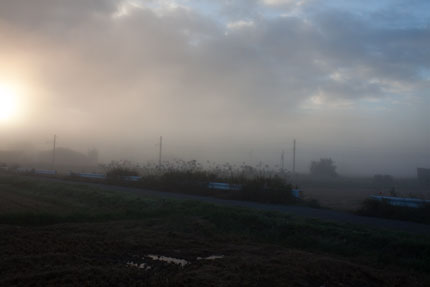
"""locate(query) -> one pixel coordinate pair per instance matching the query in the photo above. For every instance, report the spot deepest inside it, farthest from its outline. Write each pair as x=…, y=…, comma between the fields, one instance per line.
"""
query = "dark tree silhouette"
x=325, y=167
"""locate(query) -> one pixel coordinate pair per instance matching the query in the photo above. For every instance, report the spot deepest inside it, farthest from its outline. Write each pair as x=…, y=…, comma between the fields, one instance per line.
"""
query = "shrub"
x=115, y=170
x=268, y=189
x=377, y=208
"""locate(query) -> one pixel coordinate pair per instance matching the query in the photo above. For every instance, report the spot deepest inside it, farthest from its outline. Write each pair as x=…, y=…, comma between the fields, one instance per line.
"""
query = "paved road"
x=323, y=214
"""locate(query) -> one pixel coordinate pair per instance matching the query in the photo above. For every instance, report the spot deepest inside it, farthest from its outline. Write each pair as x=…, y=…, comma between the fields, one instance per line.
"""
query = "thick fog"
x=232, y=81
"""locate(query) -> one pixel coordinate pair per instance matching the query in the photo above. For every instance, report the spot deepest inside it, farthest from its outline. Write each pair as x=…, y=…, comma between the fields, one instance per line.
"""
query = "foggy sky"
x=223, y=80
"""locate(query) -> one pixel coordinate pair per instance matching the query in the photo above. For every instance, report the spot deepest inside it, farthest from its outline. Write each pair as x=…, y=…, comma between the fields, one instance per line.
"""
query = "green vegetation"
x=377, y=208
x=40, y=202
x=43, y=202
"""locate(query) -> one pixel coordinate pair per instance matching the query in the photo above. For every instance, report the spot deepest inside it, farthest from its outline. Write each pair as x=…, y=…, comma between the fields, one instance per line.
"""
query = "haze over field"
x=220, y=80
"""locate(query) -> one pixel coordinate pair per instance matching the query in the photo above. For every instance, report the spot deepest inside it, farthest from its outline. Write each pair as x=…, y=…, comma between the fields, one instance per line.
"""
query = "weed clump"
x=116, y=170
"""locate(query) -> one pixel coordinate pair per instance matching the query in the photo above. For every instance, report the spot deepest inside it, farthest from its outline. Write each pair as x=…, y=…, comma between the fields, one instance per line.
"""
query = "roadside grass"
x=376, y=208
x=66, y=203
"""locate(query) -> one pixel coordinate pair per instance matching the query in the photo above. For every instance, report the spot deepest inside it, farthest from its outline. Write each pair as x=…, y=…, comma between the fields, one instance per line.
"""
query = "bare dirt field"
x=59, y=234
x=100, y=254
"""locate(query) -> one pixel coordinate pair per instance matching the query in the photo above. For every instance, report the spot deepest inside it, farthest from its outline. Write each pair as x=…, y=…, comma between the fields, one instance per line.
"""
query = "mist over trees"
x=325, y=167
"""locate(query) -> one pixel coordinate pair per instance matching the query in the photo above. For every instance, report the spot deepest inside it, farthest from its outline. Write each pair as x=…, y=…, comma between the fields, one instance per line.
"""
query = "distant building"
x=423, y=175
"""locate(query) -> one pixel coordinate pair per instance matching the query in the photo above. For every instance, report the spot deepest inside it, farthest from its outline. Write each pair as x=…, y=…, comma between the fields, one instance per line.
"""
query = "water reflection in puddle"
x=212, y=257
x=169, y=260
x=140, y=266
x=181, y=262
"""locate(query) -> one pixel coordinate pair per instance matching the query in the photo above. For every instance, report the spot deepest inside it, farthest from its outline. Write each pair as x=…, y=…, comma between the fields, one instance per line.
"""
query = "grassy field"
x=70, y=234
x=349, y=193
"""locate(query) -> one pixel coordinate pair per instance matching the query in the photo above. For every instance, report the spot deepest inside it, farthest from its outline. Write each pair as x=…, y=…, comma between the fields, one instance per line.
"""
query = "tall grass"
x=258, y=183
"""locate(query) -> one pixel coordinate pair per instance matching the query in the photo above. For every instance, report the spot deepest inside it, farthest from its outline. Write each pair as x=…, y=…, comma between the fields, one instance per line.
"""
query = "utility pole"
x=294, y=158
x=53, y=152
x=161, y=149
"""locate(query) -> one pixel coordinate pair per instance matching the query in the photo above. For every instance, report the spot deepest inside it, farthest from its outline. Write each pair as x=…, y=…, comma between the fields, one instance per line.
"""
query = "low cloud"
x=134, y=71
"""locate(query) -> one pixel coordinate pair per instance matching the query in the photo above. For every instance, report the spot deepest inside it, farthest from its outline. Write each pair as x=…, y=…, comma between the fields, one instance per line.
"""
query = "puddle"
x=143, y=266
x=212, y=257
x=169, y=260
x=181, y=262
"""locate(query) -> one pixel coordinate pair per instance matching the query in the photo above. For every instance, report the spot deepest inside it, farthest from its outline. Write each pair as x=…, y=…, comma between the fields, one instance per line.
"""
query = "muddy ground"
x=101, y=254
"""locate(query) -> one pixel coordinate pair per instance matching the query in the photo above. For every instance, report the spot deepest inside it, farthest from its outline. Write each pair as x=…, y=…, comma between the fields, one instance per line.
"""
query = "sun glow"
x=8, y=102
